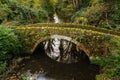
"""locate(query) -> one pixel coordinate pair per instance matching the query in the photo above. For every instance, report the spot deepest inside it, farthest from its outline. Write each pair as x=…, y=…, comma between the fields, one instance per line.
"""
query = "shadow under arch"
x=80, y=45
x=74, y=51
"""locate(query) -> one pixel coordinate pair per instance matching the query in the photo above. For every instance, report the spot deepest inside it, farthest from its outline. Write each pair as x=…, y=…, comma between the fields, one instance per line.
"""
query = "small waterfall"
x=56, y=19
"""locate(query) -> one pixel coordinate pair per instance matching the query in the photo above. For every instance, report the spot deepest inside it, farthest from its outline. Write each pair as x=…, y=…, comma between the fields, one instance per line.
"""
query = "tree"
x=49, y=7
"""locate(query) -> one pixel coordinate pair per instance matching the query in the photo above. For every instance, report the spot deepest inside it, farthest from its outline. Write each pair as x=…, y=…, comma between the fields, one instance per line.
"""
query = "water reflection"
x=63, y=51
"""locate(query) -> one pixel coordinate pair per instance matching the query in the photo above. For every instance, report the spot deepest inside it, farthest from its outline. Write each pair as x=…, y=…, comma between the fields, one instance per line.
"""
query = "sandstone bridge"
x=92, y=40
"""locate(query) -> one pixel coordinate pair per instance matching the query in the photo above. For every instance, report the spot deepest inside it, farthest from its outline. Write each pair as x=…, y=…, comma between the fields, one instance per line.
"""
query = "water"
x=56, y=59
x=63, y=51
x=56, y=19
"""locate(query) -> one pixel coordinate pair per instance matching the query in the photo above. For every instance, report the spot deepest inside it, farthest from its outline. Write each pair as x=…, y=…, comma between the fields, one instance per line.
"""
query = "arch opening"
x=62, y=49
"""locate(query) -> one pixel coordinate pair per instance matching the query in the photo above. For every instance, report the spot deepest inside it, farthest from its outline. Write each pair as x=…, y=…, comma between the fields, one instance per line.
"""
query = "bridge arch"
x=74, y=41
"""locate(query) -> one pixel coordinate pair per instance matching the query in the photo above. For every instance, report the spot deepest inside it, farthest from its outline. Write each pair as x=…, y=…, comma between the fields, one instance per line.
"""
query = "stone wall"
x=92, y=42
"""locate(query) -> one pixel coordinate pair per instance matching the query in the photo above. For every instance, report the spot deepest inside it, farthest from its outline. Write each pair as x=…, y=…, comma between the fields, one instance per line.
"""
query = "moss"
x=96, y=41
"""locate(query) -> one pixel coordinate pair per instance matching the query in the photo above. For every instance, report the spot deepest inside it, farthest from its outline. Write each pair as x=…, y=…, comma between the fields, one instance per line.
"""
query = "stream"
x=56, y=59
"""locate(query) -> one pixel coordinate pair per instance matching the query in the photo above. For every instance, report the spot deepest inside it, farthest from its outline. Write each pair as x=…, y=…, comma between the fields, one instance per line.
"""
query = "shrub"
x=30, y=15
x=9, y=44
x=114, y=15
x=91, y=14
x=2, y=68
x=24, y=12
x=111, y=64
x=79, y=17
x=42, y=15
x=116, y=49
x=107, y=37
x=82, y=38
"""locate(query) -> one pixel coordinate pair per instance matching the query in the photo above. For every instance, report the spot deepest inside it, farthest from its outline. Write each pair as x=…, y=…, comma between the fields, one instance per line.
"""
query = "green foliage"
x=44, y=33
x=91, y=14
x=67, y=9
x=28, y=15
x=114, y=16
x=111, y=64
x=115, y=11
x=24, y=42
x=82, y=38
x=99, y=13
x=9, y=47
x=107, y=37
x=103, y=13
x=9, y=44
x=98, y=77
x=49, y=7
x=64, y=10
x=79, y=17
x=42, y=15
x=116, y=49
x=4, y=10
x=22, y=11
x=24, y=77
x=3, y=67
x=117, y=71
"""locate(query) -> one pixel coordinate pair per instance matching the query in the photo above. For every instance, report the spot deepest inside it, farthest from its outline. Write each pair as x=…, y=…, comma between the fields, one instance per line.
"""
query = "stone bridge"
x=86, y=37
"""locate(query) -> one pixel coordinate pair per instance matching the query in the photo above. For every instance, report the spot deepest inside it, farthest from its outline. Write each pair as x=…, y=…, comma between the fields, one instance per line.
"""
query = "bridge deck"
x=71, y=25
